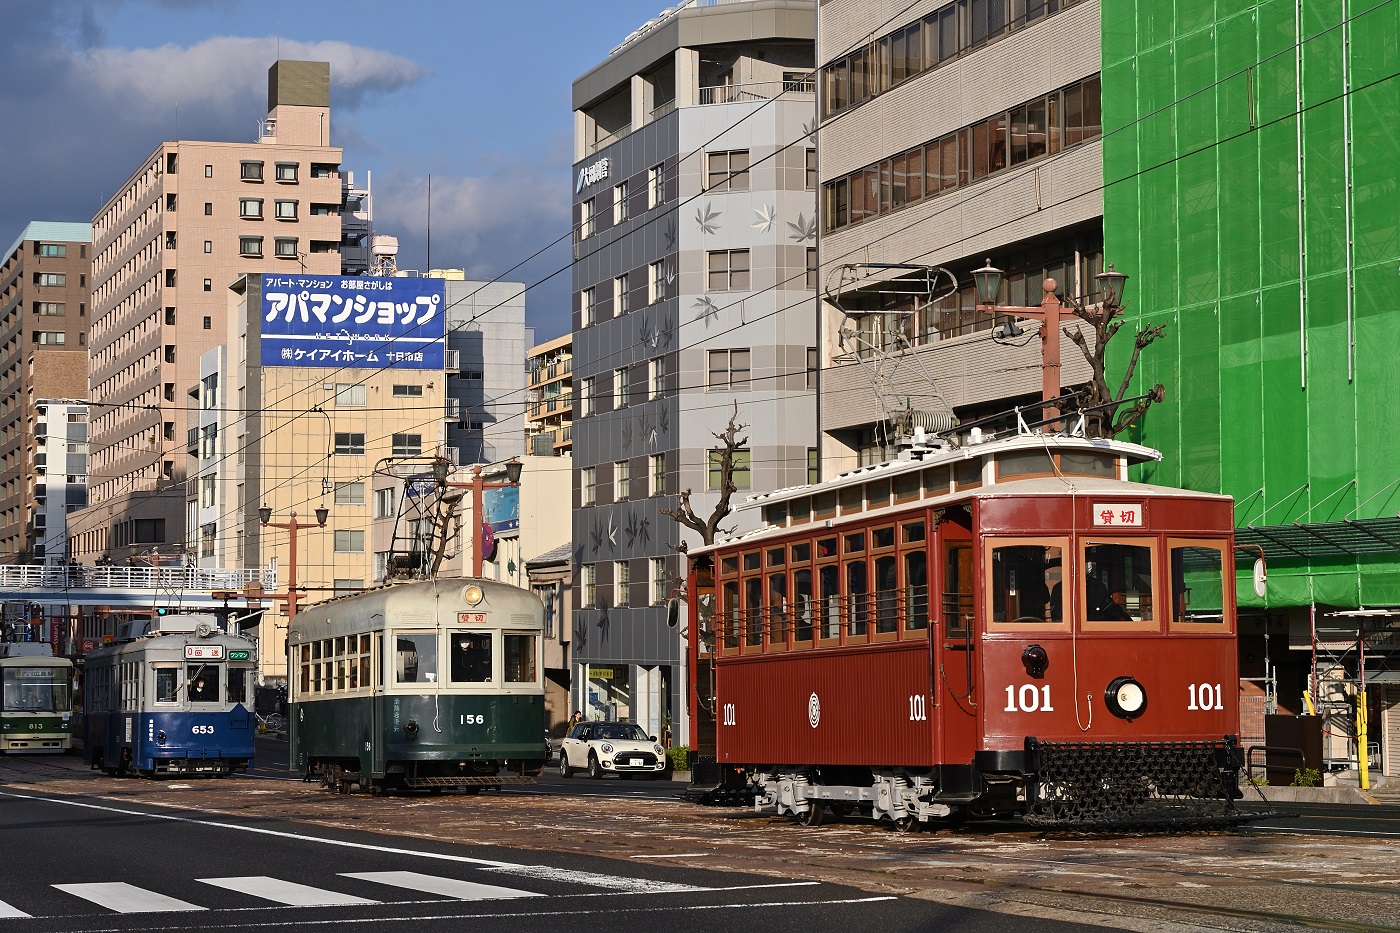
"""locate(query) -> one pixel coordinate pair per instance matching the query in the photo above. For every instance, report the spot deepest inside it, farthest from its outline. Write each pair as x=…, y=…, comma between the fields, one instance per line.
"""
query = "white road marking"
x=677, y=855
x=126, y=898
x=7, y=911
x=432, y=884
x=286, y=892
x=614, y=882
x=1319, y=832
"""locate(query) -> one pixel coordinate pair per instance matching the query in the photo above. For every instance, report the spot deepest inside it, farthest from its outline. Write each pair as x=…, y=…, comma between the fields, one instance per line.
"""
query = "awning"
x=1348, y=538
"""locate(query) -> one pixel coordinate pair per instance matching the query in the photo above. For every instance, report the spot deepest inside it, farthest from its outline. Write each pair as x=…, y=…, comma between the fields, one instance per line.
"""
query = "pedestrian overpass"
x=128, y=588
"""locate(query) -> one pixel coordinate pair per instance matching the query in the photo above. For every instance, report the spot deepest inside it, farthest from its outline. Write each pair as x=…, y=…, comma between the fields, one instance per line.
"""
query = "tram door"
x=955, y=646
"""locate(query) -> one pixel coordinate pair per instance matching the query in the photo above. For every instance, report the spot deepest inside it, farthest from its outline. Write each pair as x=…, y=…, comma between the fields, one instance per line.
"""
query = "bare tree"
x=1104, y=411
x=707, y=528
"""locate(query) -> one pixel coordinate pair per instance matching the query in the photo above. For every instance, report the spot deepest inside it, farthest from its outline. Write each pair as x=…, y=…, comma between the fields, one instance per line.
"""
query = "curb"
x=1344, y=795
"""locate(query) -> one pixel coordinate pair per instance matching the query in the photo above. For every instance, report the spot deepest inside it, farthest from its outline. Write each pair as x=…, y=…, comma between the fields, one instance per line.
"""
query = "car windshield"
x=620, y=732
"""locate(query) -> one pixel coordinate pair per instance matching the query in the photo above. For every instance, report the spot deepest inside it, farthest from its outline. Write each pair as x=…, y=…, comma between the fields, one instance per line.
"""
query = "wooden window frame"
x=990, y=543
x=1228, y=620
x=1153, y=543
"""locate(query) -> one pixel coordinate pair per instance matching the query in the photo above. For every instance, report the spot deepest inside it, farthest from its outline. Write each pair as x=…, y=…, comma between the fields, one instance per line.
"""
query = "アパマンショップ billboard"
x=364, y=322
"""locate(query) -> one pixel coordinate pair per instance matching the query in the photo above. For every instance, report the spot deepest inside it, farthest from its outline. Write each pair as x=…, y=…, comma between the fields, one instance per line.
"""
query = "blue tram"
x=173, y=696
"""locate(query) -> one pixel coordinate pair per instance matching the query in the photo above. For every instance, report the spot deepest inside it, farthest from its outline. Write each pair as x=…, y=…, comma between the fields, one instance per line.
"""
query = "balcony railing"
x=541, y=374
x=174, y=579
x=602, y=142
x=765, y=90
x=552, y=405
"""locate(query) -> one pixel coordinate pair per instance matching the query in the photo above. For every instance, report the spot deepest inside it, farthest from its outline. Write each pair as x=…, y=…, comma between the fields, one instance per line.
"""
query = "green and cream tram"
x=36, y=699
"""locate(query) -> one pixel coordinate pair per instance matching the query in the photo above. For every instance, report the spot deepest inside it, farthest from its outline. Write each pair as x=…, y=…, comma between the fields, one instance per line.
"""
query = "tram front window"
x=1027, y=583
x=471, y=657
x=519, y=653
x=167, y=685
x=203, y=680
x=415, y=658
x=36, y=690
x=1118, y=583
x=237, y=685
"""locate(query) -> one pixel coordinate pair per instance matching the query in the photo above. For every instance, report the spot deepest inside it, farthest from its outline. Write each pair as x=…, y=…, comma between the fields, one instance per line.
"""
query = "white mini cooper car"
x=611, y=748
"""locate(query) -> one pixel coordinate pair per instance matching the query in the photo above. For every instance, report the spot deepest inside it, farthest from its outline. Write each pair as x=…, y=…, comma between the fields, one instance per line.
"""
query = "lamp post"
x=292, y=526
x=478, y=486
x=989, y=280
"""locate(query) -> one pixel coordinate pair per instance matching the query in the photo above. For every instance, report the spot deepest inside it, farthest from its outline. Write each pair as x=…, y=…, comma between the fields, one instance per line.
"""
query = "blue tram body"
x=174, y=699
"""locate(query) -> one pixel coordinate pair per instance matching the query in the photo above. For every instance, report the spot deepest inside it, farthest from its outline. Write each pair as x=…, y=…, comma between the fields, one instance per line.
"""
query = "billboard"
x=501, y=508
x=343, y=321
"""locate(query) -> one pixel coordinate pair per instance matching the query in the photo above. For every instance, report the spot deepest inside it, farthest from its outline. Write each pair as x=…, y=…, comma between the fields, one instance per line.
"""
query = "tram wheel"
x=376, y=789
x=814, y=815
x=905, y=825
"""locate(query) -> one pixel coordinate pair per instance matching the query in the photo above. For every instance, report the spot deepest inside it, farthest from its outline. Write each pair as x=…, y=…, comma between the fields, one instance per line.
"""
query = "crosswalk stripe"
x=286, y=892
x=446, y=887
x=7, y=911
x=125, y=898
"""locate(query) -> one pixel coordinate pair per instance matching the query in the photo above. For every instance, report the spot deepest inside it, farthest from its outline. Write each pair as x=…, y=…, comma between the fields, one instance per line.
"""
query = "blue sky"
x=475, y=94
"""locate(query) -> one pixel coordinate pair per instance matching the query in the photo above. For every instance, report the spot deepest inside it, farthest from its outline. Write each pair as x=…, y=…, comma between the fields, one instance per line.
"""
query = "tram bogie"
x=173, y=696
x=36, y=701
x=1007, y=629
x=419, y=686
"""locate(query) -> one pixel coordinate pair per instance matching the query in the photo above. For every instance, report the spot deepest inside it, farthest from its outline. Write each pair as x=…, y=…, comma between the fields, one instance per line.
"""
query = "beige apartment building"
x=549, y=419
x=190, y=220
x=43, y=355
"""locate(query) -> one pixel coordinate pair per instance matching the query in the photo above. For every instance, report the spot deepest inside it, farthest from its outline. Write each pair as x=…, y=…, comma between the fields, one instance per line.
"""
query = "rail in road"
x=120, y=585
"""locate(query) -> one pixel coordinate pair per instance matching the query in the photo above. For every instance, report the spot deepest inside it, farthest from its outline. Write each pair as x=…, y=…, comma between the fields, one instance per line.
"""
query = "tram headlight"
x=160, y=736
x=1126, y=698
x=1036, y=660
x=473, y=594
x=411, y=727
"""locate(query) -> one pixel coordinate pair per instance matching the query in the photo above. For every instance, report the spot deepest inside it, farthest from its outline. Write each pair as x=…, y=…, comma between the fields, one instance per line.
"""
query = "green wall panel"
x=1238, y=219
x=1277, y=182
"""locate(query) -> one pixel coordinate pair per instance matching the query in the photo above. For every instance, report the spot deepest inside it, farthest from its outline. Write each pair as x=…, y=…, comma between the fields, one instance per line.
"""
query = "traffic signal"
x=162, y=611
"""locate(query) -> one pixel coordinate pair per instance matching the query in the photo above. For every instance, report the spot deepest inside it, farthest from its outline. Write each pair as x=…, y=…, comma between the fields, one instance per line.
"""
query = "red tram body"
x=1003, y=627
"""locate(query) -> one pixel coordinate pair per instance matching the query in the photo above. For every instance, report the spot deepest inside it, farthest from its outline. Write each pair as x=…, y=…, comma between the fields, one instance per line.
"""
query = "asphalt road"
x=91, y=864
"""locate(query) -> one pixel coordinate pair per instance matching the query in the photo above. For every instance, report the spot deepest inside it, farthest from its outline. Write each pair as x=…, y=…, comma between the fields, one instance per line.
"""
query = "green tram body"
x=36, y=702
x=414, y=686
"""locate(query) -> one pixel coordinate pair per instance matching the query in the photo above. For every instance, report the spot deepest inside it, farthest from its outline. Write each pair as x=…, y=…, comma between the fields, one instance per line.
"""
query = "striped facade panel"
x=839, y=707
x=843, y=25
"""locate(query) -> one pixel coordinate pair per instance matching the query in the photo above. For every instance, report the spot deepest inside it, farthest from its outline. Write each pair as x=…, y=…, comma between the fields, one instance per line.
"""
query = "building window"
x=285, y=210
x=250, y=208
x=208, y=208
x=740, y=474
x=285, y=247
x=585, y=221
x=658, y=377
x=728, y=369
x=622, y=479
x=286, y=171
x=209, y=246
x=208, y=171
x=811, y=170
x=585, y=397
x=49, y=337
x=207, y=486
x=53, y=279
x=620, y=388
x=590, y=486
x=620, y=299
x=622, y=580
x=660, y=583
x=52, y=250
x=250, y=246
x=384, y=503
x=407, y=445
x=590, y=586
x=350, y=493
x=349, y=395
x=620, y=203
x=349, y=542
x=208, y=322
x=658, y=474
x=656, y=178
x=250, y=171
x=352, y=444
x=727, y=171
x=48, y=308
x=729, y=269
x=812, y=268
x=814, y=469
x=408, y=391
x=656, y=282
x=588, y=308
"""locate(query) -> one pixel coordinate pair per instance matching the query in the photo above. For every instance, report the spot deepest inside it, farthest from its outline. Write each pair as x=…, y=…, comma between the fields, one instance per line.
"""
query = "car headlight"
x=659, y=750
x=606, y=749
x=1125, y=698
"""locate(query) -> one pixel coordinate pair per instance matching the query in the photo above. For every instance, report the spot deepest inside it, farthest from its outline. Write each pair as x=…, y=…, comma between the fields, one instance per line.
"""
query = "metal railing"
x=82, y=576
x=852, y=618
x=551, y=371
x=763, y=90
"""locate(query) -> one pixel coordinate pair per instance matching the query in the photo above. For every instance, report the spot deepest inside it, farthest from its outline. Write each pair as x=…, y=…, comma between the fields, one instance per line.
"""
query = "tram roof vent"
x=187, y=624
x=26, y=649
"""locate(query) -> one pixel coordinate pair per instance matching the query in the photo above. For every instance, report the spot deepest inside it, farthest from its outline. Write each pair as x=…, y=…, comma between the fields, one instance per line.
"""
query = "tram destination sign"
x=356, y=322
x=204, y=652
x=239, y=655
x=1117, y=514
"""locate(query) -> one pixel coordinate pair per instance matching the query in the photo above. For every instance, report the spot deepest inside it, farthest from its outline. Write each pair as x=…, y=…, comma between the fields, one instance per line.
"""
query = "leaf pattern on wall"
x=707, y=219
x=804, y=230
x=766, y=214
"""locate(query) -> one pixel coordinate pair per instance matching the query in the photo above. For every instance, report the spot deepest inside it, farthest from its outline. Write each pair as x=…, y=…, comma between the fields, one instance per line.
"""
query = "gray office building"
x=695, y=257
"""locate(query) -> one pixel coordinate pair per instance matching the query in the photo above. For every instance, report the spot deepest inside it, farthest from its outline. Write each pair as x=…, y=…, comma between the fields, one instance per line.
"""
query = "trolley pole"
x=292, y=527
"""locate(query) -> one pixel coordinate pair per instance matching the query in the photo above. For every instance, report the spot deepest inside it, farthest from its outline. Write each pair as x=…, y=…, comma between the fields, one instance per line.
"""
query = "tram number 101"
x=1028, y=699
x=1206, y=697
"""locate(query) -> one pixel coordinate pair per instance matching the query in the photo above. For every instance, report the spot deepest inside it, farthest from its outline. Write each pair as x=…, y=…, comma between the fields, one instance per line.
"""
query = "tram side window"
x=415, y=658
x=202, y=683
x=916, y=590
x=1198, y=584
x=167, y=683
x=305, y=669
x=238, y=685
x=777, y=609
x=802, y=597
x=753, y=611
x=471, y=657
x=1118, y=583
x=1026, y=583
x=858, y=599
x=519, y=658
x=731, y=615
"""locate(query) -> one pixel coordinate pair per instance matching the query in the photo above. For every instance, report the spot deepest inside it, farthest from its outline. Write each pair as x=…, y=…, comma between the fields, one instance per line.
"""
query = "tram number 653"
x=202, y=730
x=918, y=708
x=1028, y=699
x=1206, y=697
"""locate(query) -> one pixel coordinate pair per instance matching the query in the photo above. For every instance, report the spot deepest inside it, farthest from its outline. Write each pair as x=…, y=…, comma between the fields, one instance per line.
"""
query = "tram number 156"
x=1206, y=697
x=1028, y=699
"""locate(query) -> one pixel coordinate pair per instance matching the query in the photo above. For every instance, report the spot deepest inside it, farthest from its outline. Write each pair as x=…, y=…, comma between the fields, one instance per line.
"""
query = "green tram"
x=422, y=685
x=36, y=699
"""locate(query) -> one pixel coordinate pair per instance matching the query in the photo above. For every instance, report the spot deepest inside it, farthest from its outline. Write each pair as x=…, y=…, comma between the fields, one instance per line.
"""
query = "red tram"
x=980, y=630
